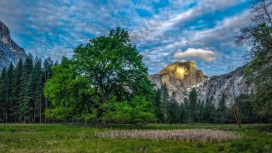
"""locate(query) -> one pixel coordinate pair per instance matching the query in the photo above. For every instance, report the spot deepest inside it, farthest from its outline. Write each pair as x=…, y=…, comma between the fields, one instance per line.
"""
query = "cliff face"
x=184, y=72
x=178, y=77
x=231, y=84
x=181, y=77
x=9, y=50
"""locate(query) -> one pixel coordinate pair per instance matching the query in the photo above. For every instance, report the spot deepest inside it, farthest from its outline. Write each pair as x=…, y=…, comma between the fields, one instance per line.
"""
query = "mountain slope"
x=9, y=50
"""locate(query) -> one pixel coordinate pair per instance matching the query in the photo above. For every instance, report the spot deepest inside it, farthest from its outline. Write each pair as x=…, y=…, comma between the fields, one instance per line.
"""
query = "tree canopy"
x=106, y=68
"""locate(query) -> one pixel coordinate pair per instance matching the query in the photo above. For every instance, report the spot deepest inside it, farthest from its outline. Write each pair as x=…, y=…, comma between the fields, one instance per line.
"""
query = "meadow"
x=39, y=138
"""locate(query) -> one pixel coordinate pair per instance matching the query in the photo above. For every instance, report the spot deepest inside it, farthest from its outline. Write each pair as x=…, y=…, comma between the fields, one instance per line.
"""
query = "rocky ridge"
x=178, y=77
x=182, y=76
x=9, y=50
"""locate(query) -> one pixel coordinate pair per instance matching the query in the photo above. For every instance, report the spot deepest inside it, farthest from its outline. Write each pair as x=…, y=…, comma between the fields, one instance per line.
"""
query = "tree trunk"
x=46, y=105
x=6, y=116
x=237, y=116
x=40, y=110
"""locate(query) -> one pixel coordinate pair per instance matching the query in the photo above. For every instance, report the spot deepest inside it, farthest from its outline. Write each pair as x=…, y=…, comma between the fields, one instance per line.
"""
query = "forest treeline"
x=21, y=91
x=22, y=100
x=194, y=110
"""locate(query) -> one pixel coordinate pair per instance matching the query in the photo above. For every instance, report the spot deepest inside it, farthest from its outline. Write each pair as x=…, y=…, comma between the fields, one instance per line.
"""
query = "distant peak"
x=4, y=31
x=9, y=50
x=181, y=69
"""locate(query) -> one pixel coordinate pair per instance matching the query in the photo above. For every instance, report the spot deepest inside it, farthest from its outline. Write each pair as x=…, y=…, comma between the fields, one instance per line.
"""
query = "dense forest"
x=21, y=91
x=22, y=100
x=194, y=110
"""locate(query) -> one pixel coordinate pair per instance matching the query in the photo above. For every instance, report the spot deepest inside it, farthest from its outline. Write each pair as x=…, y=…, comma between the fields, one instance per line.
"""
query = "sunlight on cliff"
x=181, y=72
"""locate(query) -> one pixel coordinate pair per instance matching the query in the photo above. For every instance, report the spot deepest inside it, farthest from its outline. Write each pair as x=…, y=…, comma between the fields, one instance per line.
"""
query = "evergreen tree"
x=186, y=111
x=247, y=112
x=210, y=110
x=193, y=105
x=25, y=110
x=222, y=109
x=201, y=108
x=3, y=95
x=35, y=88
x=8, y=81
x=37, y=77
x=164, y=103
x=157, y=104
x=16, y=90
x=182, y=113
x=173, y=110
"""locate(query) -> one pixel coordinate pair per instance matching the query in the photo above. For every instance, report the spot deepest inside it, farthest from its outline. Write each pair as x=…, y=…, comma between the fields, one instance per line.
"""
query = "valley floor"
x=19, y=138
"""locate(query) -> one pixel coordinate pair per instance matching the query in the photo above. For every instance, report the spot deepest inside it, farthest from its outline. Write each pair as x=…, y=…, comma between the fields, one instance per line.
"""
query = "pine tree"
x=35, y=88
x=201, y=108
x=210, y=110
x=182, y=113
x=186, y=110
x=193, y=102
x=2, y=94
x=157, y=104
x=16, y=90
x=164, y=103
x=222, y=109
x=38, y=94
x=8, y=82
x=24, y=110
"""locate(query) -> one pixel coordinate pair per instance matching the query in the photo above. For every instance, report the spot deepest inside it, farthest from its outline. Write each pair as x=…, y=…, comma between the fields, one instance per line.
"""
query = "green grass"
x=68, y=138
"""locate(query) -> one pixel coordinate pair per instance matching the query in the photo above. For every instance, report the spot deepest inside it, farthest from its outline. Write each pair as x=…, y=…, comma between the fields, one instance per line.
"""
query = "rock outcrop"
x=9, y=50
x=230, y=84
x=178, y=77
x=182, y=76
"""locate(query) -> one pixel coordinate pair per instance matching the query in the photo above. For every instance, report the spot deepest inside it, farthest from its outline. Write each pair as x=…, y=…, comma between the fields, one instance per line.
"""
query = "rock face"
x=185, y=72
x=182, y=76
x=230, y=84
x=9, y=50
x=178, y=77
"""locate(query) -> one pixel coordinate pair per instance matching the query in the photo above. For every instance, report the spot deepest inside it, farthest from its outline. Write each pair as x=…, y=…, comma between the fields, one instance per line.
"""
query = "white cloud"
x=171, y=18
x=205, y=55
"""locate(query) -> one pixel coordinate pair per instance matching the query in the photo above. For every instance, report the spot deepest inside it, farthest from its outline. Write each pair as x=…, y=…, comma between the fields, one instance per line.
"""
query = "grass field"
x=40, y=138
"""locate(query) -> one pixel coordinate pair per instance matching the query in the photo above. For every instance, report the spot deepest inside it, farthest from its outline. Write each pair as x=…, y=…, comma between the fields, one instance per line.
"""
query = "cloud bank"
x=157, y=27
x=192, y=53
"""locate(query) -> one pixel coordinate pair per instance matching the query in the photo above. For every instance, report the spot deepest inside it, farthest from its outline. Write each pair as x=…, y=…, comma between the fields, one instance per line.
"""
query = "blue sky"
x=164, y=31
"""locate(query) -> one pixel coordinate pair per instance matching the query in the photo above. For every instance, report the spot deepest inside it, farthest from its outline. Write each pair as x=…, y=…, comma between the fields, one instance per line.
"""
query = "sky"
x=164, y=31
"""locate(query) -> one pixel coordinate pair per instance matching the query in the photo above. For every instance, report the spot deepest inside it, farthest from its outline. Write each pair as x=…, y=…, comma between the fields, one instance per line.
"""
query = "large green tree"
x=105, y=68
